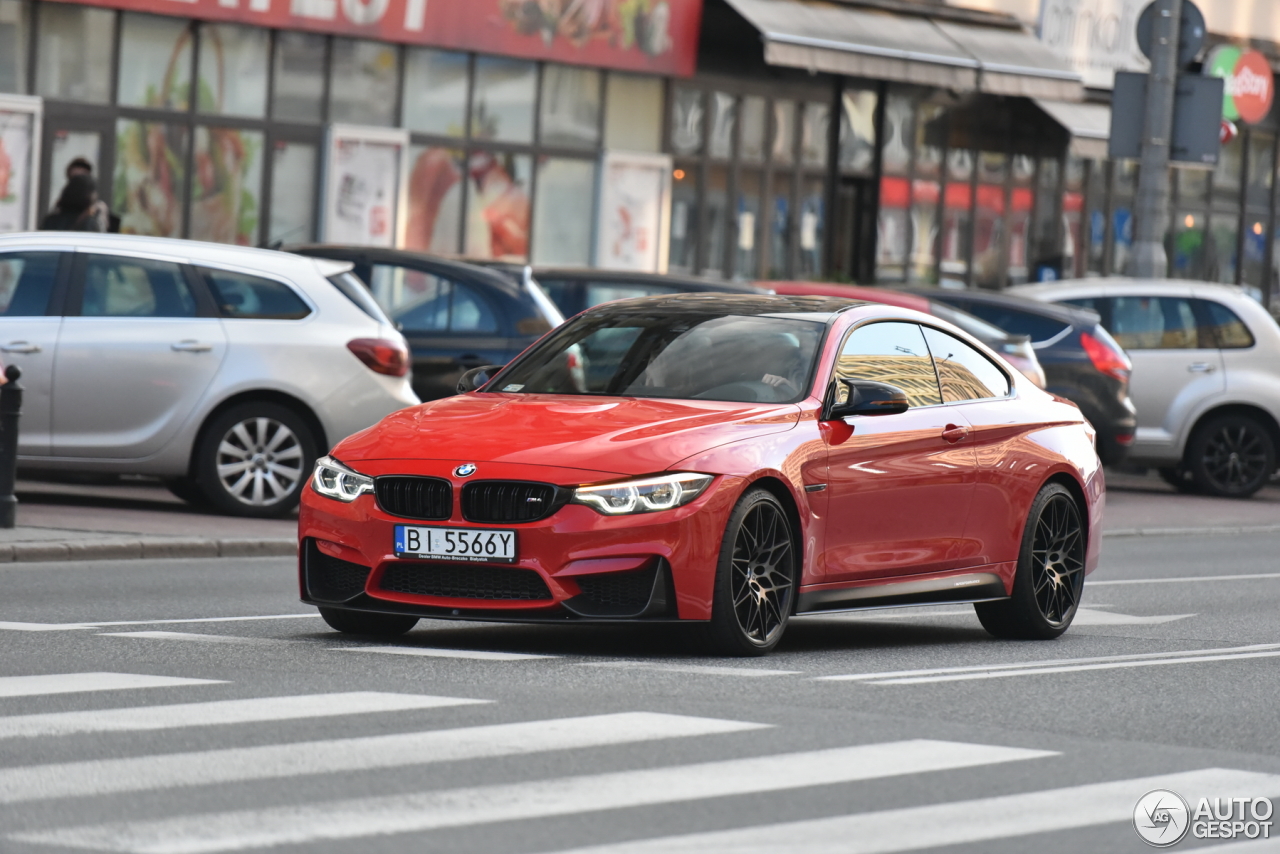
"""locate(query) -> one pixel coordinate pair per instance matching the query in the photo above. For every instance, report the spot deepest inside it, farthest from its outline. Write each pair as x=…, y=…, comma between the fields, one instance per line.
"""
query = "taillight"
x=1106, y=358
x=381, y=355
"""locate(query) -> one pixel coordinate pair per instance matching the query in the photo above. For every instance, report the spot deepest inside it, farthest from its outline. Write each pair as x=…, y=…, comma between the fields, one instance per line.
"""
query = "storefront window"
x=233, y=70
x=1193, y=186
x=784, y=132
x=502, y=99
x=899, y=114
x=13, y=46
x=362, y=82
x=436, y=187
x=716, y=201
x=724, y=121
x=957, y=234
x=498, y=205
x=815, y=119
x=75, y=52
x=684, y=218
x=150, y=177
x=563, y=185
x=857, y=130
x=299, y=77
x=924, y=229
x=1227, y=174
x=435, y=91
x=780, y=227
x=1020, y=203
x=1073, y=236
x=226, y=192
x=570, y=106
x=1096, y=219
x=747, y=257
x=1252, y=265
x=1125, y=178
x=1189, y=245
x=155, y=62
x=1262, y=152
x=1225, y=256
x=67, y=146
x=293, y=179
x=686, y=121
x=990, y=225
x=633, y=113
x=754, y=121
x=813, y=224
x=893, y=229
x=928, y=153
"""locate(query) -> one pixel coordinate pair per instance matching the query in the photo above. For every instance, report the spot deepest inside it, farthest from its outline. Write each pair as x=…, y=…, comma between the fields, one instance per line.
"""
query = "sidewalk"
x=138, y=519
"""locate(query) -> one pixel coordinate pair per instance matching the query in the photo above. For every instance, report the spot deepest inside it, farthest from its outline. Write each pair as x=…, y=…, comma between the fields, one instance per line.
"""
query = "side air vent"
x=331, y=579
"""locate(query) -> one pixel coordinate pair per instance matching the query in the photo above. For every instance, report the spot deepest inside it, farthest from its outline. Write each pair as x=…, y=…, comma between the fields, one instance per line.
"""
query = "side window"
x=1017, y=322
x=134, y=287
x=470, y=312
x=26, y=283
x=239, y=295
x=1226, y=327
x=893, y=353
x=1155, y=323
x=415, y=300
x=963, y=372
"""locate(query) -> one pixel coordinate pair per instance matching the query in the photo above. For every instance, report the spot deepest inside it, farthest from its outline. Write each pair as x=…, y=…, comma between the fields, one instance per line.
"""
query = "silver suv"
x=1206, y=376
x=226, y=371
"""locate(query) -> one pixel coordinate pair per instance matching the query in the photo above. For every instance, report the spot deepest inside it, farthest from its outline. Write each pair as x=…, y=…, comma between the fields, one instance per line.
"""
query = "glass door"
x=67, y=138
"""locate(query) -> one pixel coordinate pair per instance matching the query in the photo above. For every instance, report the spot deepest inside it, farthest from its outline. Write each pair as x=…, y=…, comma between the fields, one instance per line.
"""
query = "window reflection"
x=893, y=353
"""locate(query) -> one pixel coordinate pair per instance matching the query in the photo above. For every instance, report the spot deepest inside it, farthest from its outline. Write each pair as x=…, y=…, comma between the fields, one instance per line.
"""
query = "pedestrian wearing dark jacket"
x=76, y=207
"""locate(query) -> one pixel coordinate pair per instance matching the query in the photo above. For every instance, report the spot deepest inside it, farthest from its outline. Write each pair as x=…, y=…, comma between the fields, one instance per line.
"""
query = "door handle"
x=191, y=347
x=1200, y=368
x=20, y=347
x=954, y=433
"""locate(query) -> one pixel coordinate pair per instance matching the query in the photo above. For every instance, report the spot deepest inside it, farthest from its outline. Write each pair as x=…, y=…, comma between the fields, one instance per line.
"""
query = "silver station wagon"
x=223, y=370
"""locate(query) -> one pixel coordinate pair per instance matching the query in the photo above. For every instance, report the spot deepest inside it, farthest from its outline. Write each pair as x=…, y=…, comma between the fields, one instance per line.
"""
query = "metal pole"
x=10, y=409
x=1151, y=216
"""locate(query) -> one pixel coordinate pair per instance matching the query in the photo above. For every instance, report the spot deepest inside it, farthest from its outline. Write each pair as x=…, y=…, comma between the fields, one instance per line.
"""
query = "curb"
x=1190, y=532
x=146, y=547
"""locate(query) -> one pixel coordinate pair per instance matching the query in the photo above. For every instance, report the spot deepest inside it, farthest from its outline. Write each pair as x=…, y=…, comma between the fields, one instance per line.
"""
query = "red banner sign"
x=655, y=36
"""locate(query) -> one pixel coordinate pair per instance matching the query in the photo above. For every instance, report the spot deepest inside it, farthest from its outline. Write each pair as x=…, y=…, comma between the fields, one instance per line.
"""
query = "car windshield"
x=686, y=356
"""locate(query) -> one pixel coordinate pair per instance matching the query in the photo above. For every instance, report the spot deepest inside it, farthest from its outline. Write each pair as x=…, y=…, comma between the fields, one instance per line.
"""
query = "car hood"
x=626, y=436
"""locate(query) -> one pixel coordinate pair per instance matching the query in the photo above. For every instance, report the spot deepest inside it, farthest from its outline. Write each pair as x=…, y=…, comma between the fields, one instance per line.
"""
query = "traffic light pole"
x=1151, y=214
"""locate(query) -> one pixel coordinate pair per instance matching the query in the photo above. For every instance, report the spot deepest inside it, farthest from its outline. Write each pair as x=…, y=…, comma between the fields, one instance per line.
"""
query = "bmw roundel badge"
x=465, y=470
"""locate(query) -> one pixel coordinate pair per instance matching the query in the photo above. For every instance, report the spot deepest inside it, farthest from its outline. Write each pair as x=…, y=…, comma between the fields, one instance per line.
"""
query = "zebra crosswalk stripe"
x=957, y=823
x=74, y=683
x=275, y=761
x=362, y=817
x=220, y=712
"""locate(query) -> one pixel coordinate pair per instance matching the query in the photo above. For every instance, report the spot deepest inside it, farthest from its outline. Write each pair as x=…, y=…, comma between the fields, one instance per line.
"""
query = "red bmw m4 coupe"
x=732, y=460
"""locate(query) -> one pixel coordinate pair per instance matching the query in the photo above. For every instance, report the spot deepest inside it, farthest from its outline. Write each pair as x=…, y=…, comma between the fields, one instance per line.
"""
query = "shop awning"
x=882, y=45
x=1088, y=124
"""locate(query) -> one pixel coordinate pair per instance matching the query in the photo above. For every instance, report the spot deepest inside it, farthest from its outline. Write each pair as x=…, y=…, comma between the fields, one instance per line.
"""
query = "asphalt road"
x=205, y=733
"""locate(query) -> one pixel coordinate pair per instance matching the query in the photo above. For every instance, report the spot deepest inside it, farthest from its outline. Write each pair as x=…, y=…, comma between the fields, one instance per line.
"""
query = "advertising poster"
x=17, y=168
x=364, y=180
x=635, y=204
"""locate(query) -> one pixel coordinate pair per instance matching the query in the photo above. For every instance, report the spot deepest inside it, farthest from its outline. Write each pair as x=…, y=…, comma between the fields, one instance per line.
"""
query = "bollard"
x=10, y=410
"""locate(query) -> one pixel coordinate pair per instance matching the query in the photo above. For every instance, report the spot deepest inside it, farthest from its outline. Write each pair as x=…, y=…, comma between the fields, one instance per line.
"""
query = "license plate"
x=473, y=545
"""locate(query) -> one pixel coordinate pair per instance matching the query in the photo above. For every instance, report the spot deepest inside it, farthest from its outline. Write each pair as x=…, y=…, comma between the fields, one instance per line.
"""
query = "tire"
x=1050, y=574
x=1177, y=477
x=368, y=623
x=1231, y=456
x=254, y=459
x=755, y=578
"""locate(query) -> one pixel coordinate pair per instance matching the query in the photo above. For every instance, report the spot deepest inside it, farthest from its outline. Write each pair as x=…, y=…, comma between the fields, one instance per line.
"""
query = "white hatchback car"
x=226, y=371
x=1206, y=376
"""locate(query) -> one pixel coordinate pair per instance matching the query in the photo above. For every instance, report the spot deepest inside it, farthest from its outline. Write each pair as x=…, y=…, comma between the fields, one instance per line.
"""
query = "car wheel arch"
x=299, y=408
x=781, y=491
x=1249, y=410
x=1077, y=494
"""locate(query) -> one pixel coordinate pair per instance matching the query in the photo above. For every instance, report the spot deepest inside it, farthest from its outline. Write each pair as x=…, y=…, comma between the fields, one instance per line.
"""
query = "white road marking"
x=72, y=627
x=1048, y=663
x=1183, y=579
x=277, y=761
x=42, y=627
x=700, y=669
x=1094, y=617
x=190, y=636
x=957, y=823
x=362, y=817
x=75, y=683
x=220, y=712
x=432, y=652
x=1078, y=668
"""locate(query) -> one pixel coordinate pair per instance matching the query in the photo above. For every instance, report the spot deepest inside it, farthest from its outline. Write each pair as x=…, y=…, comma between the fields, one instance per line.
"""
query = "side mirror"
x=477, y=377
x=865, y=397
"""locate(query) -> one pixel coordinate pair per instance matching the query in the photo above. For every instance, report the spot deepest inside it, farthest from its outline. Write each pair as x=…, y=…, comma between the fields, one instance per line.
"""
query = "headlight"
x=334, y=480
x=646, y=495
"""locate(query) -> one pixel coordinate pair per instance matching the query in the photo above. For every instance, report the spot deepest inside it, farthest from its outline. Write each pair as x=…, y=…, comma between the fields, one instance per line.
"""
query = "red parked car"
x=734, y=460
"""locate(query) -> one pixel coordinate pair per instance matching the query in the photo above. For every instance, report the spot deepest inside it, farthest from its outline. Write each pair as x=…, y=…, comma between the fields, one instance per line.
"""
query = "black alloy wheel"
x=367, y=622
x=1232, y=456
x=1050, y=573
x=755, y=577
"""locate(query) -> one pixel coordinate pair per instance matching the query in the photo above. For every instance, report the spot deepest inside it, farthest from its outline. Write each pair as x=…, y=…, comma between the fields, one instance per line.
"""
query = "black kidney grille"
x=331, y=579
x=415, y=497
x=621, y=590
x=510, y=500
x=463, y=582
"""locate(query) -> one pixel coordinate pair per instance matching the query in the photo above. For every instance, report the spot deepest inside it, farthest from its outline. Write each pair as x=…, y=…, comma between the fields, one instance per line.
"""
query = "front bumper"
x=574, y=565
